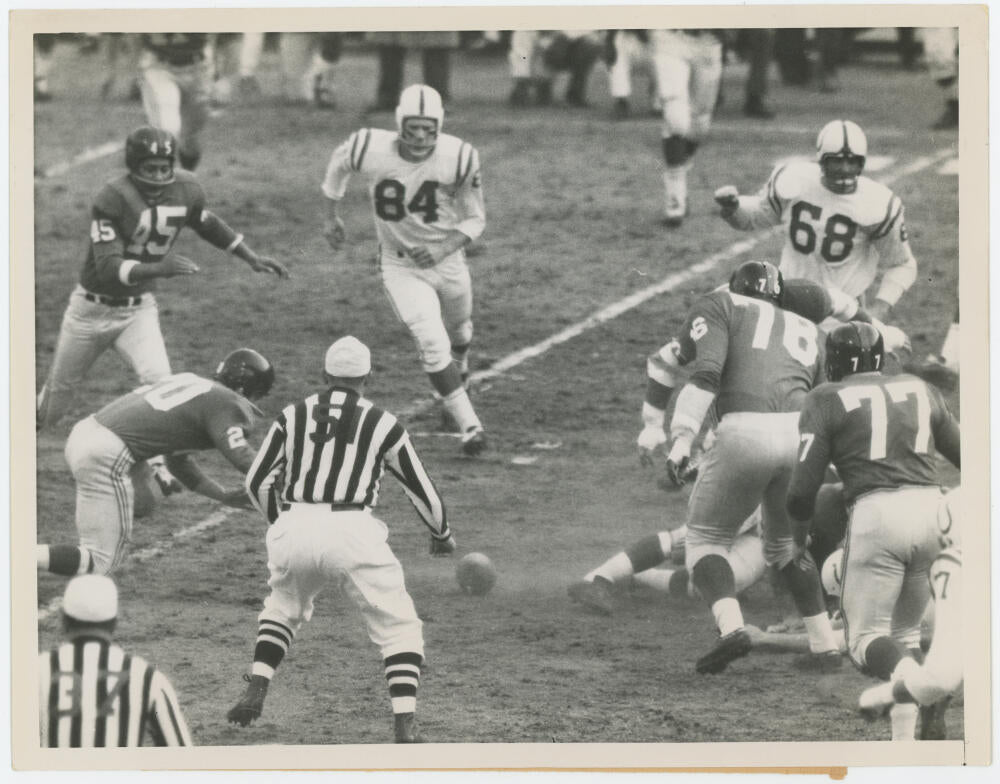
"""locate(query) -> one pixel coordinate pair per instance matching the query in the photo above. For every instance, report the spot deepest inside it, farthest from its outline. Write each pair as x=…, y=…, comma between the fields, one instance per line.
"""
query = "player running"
x=135, y=220
x=882, y=434
x=840, y=225
x=753, y=362
x=173, y=417
x=427, y=196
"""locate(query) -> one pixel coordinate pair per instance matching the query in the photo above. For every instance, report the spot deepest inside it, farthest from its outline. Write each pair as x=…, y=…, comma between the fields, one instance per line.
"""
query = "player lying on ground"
x=173, y=417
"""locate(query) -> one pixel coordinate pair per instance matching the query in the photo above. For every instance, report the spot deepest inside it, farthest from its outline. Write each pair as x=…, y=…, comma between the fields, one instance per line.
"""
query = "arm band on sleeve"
x=125, y=269
x=689, y=411
x=235, y=243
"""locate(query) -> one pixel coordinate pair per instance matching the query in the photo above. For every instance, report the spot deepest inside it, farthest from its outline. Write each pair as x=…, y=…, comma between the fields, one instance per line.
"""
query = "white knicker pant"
x=176, y=98
x=689, y=71
x=310, y=547
x=892, y=539
x=435, y=304
x=88, y=330
x=100, y=463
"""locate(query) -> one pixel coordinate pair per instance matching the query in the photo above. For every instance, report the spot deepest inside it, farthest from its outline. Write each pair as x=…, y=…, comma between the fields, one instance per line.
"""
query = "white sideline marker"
x=518, y=357
x=88, y=155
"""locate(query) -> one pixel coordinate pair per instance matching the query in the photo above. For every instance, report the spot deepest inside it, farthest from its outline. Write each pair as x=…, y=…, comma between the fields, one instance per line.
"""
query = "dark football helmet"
x=143, y=144
x=247, y=372
x=855, y=347
x=841, y=149
x=758, y=279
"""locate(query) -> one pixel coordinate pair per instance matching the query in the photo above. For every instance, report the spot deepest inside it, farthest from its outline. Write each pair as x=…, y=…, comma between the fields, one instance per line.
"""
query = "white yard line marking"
x=88, y=155
x=146, y=553
x=518, y=357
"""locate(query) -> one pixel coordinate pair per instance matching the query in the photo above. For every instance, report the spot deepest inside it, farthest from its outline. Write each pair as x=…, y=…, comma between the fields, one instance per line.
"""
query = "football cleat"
x=595, y=595
x=732, y=646
x=474, y=441
x=251, y=705
x=828, y=661
x=405, y=728
x=841, y=149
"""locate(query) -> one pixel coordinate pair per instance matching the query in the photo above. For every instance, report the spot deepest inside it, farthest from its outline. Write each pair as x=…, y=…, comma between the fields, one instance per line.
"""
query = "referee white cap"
x=348, y=358
x=91, y=598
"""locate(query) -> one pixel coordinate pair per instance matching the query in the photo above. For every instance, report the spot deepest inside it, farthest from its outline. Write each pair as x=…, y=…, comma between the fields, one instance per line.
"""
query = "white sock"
x=459, y=407
x=42, y=556
x=616, y=568
x=667, y=541
x=821, y=636
x=728, y=615
x=906, y=667
x=657, y=579
x=904, y=720
x=260, y=668
x=404, y=704
x=675, y=190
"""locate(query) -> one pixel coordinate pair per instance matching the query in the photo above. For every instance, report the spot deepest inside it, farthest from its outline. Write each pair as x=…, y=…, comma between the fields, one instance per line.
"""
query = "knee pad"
x=779, y=552
x=433, y=345
x=675, y=150
x=461, y=334
x=697, y=546
x=747, y=560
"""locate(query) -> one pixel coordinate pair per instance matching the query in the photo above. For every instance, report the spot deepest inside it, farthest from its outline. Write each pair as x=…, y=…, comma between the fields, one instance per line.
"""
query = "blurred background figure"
x=176, y=87
x=308, y=63
x=831, y=43
x=537, y=57
x=625, y=53
x=435, y=47
x=941, y=51
x=121, y=62
x=44, y=44
x=757, y=47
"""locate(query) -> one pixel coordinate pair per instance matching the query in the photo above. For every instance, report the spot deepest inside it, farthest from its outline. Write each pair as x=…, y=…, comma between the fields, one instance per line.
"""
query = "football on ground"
x=475, y=574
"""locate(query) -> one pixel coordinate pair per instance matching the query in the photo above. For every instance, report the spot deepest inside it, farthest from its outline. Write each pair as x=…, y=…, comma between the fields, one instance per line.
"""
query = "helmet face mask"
x=246, y=371
x=419, y=117
x=150, y=156
x=759, y=280
x=855, y=347
x=841, y=149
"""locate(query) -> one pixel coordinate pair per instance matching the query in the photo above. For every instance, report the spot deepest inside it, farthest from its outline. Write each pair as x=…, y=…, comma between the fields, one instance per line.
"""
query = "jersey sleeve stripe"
x=459, y=177
x=354, y=149
x=888, y=215
x=125, y=702
x=895, y=210
x=53, y=701
x=468, y=164
x=772, y=191
x=364, y=148
x=147, y=706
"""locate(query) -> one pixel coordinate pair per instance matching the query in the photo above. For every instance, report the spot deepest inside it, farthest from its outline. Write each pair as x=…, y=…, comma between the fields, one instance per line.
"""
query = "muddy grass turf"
x=574, y=202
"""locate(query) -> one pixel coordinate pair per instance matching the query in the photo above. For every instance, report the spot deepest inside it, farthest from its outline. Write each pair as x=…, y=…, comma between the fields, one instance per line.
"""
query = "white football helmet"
x=419, y=102
x=841, y=148
x=832, y=573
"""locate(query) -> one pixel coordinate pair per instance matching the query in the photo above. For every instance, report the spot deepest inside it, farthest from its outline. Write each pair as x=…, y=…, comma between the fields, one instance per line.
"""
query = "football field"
x=576, y=282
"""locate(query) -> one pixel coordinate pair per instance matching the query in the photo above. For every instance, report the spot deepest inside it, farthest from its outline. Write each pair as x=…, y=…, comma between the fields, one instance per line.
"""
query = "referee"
x=91, y=693
x=316, y=479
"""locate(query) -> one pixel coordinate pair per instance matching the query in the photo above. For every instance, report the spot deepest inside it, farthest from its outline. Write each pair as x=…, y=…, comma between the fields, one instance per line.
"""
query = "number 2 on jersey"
x=898, y=392
x=390, y=196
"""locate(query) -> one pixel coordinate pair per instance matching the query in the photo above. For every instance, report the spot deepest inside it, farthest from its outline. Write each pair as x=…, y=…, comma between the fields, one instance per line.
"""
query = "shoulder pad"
x=875, y=204
x=789, y=179
x=366, y=141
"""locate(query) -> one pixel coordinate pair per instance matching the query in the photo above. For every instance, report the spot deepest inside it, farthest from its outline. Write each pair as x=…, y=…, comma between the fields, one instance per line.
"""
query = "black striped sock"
x=402, y=673
x=273, y=639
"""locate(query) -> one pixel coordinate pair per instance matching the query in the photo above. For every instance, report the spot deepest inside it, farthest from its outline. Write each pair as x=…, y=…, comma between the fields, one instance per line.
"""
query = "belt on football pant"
x=113, y=302
x=333, y=507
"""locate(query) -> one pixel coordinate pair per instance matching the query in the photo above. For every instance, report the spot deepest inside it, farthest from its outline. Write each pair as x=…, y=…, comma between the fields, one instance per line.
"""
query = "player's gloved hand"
x=174, y=265
x=728, y=198
x=441, y=547
x=267, y=264
x=335, y=233
x=422, y=257
x=679, y=463
x=649, y=440
x=894, y=338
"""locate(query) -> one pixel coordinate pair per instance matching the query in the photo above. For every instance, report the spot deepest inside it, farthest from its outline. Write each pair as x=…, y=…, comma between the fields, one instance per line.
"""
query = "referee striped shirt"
x=93, y=694
x=333, y=448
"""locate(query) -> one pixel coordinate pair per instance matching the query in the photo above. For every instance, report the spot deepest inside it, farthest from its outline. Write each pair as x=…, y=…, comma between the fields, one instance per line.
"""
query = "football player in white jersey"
x=840, y=225
x=427, y=195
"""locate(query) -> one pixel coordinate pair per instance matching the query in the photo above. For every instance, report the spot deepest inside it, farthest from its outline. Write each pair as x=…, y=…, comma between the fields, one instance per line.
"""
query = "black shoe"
x=594, y=594
x=405, y=728
x=733, y=646
x=474, y=442
x=251, y=705
x=755, y=107
x=520, y=95
x=621, y=111
x=932, y=723
x=828, y=661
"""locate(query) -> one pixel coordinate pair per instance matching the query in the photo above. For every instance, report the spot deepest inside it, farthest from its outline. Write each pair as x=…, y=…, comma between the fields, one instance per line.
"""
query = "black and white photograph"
x=528, y=386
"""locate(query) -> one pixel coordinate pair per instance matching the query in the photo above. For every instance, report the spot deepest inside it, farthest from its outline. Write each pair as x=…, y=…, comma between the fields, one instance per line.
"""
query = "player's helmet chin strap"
x=416, y=148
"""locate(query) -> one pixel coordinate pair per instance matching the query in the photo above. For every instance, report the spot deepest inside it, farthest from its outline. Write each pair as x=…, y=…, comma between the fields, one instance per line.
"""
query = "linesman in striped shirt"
x=93, y=694
x=316, y=480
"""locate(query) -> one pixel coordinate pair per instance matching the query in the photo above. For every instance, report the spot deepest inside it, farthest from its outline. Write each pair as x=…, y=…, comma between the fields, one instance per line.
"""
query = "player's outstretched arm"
x=213, y=229
x=333, y=227
x=189, y=474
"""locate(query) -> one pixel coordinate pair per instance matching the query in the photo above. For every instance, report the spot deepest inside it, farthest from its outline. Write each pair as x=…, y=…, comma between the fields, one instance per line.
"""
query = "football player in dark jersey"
x=173, y=417
x=882, y=433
